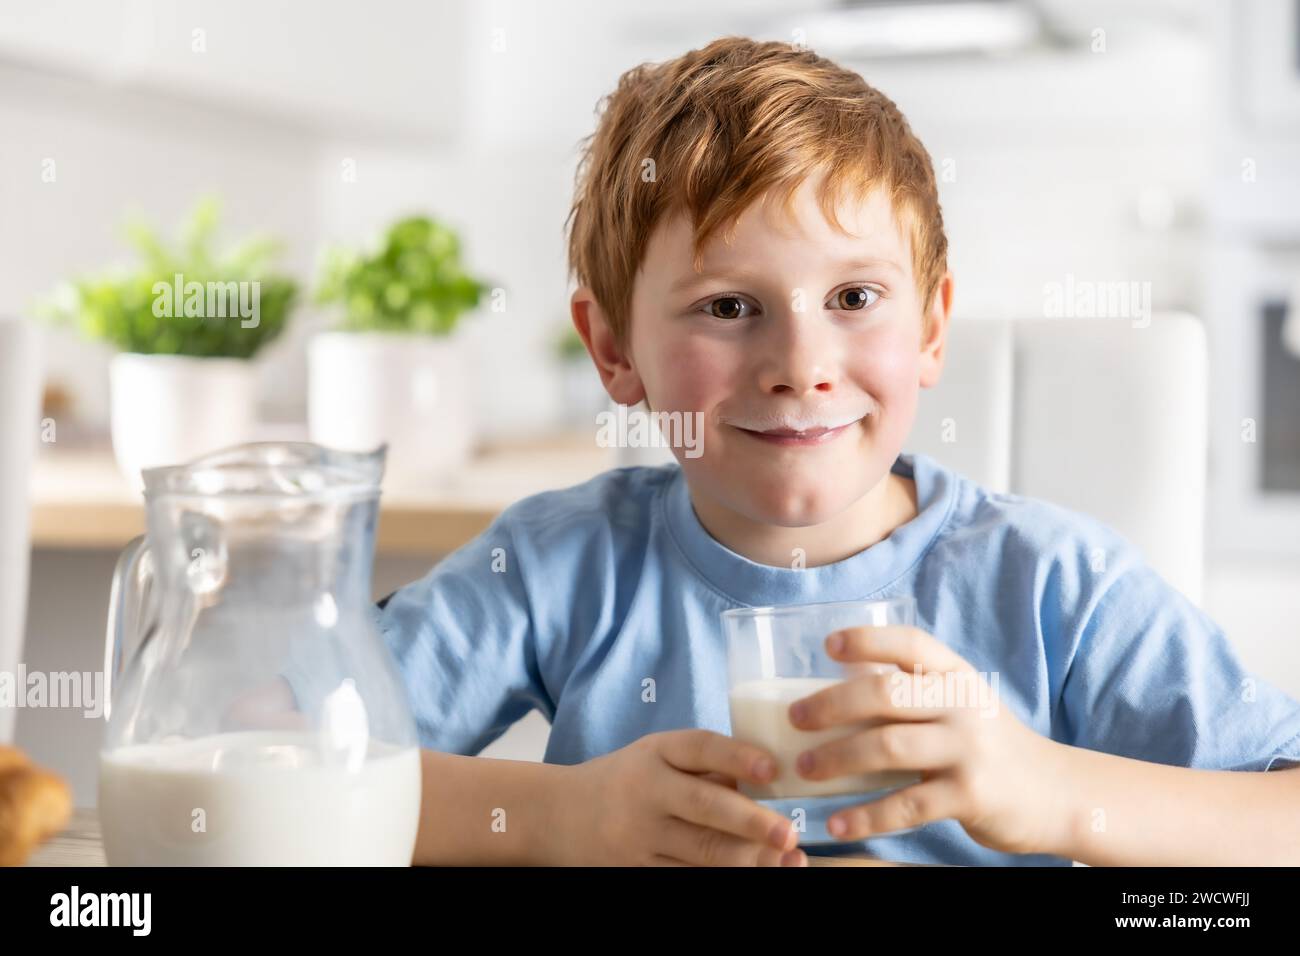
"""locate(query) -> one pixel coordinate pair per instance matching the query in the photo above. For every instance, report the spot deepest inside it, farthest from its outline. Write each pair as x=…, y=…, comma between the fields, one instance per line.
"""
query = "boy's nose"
x=798, y=383
x=798, y=357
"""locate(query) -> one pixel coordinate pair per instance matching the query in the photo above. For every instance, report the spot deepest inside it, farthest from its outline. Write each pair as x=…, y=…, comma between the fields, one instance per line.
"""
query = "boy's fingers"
x=704, y=751
x=908, y=647
x=718, y=808
x=720, y=778
x=909, y=807
x=703, y=846
x=896, y=695
x=927, y=746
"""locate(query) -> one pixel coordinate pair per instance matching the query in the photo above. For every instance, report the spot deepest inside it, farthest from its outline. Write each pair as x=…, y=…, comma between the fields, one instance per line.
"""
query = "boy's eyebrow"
x=848, y=265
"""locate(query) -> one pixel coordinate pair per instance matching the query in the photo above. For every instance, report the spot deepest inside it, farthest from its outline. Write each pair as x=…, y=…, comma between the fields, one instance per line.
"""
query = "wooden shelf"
x=80, y=500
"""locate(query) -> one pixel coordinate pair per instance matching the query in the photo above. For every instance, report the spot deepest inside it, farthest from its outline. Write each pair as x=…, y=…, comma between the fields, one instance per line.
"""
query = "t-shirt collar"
x=867, y=574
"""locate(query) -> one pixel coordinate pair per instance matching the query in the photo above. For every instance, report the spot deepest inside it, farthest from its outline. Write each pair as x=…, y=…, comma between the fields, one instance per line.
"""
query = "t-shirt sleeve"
x=464, y=644
x=1154, y=678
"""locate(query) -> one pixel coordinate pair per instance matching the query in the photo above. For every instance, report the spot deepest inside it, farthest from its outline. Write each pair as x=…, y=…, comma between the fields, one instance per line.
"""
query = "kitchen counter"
x=81, y=500
x=80, y=845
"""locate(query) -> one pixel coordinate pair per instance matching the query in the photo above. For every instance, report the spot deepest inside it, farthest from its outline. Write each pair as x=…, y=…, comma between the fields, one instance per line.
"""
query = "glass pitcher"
x=255, y=716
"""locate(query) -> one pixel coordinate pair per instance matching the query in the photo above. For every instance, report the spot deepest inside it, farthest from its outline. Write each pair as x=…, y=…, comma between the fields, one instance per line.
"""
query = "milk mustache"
x=267, y=798
x=760, y=715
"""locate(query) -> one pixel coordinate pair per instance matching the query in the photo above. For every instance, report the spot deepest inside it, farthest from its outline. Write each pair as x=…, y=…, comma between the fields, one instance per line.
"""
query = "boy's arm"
x=483, y=811
x=1166, y=739
x=1125, y=812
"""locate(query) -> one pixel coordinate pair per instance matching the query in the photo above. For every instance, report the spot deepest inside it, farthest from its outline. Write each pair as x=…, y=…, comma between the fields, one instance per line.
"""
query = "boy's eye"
x=728, y=307
x=855, y=298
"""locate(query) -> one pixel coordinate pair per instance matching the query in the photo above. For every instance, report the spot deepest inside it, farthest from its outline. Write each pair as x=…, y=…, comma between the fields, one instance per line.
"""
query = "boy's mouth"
x=790, y=436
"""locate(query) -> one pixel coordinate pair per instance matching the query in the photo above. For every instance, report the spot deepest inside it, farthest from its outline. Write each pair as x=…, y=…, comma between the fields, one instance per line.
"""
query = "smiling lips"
x=787, y=436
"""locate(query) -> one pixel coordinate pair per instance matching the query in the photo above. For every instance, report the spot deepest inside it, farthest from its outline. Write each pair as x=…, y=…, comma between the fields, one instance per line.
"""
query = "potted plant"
x=394, y=371
x=187, y=322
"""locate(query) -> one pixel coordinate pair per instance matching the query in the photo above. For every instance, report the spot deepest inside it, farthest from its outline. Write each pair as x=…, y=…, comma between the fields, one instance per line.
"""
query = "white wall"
x=474, y=112
x=114, y=151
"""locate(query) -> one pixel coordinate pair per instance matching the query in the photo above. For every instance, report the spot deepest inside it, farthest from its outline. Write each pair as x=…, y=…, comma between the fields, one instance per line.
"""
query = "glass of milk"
x=777, y=655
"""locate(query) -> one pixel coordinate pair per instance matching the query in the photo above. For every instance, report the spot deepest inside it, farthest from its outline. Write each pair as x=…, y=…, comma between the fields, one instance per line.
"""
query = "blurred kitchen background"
x=1154, y=141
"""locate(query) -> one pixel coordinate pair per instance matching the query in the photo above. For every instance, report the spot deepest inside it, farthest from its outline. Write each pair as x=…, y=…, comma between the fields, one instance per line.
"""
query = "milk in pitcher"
x=258, y=798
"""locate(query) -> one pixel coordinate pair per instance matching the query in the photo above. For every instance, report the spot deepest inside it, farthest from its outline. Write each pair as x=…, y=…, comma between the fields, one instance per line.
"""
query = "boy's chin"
x=795, y=504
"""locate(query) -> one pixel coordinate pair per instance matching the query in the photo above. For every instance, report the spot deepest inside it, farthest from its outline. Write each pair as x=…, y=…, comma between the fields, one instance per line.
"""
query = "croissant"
x=34, y=805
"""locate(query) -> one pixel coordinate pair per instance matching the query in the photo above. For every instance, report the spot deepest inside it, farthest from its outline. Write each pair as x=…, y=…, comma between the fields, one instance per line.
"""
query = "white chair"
x=1104, y=416
x=20, y=382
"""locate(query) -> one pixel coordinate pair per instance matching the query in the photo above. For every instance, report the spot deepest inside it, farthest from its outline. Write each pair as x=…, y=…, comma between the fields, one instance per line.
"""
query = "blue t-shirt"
x=571, y=599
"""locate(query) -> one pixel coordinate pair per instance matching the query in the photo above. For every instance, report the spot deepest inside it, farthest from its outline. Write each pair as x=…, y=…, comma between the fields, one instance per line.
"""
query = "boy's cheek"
x=689, y=382
x=887, y=366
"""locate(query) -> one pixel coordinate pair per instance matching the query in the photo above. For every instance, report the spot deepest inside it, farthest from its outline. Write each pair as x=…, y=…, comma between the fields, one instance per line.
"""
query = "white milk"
x=269, y=799
x=760, y=715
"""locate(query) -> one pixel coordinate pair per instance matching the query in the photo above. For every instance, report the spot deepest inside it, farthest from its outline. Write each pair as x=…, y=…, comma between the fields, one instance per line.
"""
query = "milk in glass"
x=760, y=715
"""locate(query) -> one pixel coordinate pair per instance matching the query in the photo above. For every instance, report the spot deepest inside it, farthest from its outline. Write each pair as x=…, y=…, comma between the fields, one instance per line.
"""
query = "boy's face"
x=795, y=327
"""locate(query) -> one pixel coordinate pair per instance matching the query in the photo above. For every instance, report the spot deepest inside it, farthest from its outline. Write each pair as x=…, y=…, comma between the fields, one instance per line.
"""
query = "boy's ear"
x=936, y=332
x=617, y=374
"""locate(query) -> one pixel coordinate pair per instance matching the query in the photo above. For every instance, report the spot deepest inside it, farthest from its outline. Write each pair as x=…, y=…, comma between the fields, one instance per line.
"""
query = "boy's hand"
x=669, y=799
x=977, y=763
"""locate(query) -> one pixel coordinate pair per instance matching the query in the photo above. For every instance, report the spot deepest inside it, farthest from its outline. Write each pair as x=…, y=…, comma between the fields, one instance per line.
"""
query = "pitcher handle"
x=128, y=599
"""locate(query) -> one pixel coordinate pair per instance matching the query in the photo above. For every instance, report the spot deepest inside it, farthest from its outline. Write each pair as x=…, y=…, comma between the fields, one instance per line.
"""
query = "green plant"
x=414, y=282
x=240, y=304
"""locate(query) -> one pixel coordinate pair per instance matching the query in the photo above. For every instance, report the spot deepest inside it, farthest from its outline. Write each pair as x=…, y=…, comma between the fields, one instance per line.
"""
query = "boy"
x=758, y=240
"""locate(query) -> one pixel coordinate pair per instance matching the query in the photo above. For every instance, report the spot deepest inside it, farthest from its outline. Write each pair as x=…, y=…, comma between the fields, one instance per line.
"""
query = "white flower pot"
x=170, y=409
x=366, y=388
